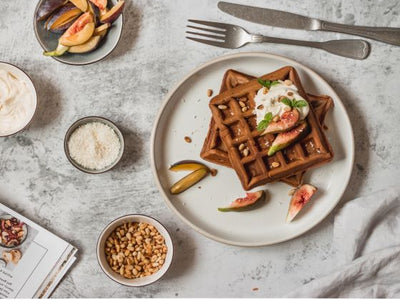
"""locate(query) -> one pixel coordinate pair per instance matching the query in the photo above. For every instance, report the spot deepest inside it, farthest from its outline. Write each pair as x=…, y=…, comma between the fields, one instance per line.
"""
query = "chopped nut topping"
x=290, y=94
x=265, y=90
x=287, y=108
x=288, y=82
x=242, y=104
x=275, y=164
x=244, y=109
x=209, y=92
x=213, y=172
x=221, y=106
x=241, y=147
x=188, y=139
x=246, y=152
x=260, y=107
x=276, y=118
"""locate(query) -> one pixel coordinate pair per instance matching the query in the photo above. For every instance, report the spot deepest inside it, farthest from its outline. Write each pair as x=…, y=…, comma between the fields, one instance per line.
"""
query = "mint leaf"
x=275, y=83
x=287, y=102
x=265, y=83
x=299, y=103
x=264, y=123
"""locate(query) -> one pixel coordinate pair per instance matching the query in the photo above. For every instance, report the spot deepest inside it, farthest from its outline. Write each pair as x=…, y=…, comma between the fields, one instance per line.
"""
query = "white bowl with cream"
x=18, y=99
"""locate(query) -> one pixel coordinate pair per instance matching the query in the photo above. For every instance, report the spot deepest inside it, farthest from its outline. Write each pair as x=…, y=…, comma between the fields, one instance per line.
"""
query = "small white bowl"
x=24, y=77
x=138, y=282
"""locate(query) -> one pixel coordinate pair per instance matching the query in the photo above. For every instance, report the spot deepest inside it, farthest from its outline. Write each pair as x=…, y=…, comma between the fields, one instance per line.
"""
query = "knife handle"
x=388, y=35
x=354, y=48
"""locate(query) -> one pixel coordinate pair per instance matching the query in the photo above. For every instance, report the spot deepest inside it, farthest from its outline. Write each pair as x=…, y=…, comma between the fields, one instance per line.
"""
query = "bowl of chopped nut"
x=135, y=250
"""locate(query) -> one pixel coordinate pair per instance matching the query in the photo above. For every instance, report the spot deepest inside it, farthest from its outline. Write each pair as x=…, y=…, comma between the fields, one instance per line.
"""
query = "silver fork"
x=233, y=37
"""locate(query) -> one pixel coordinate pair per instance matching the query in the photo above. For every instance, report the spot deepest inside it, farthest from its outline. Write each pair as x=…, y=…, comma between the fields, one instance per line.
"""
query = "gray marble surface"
x=128, y=87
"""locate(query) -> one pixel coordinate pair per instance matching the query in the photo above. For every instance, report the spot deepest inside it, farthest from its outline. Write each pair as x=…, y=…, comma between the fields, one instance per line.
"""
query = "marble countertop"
x=128, y=87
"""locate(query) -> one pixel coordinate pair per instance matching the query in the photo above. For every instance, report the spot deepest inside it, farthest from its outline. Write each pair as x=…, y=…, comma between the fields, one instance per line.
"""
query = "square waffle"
x=237, y=127
x=215, y=151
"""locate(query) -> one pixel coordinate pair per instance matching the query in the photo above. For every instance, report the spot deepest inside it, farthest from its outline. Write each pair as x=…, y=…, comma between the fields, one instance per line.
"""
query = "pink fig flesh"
x=287, y=121
x=300, y=198
x=285, y=139
x=244, y=203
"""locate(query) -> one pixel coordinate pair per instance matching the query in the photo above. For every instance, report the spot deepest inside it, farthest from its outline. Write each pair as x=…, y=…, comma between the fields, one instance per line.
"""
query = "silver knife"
x=284, y=19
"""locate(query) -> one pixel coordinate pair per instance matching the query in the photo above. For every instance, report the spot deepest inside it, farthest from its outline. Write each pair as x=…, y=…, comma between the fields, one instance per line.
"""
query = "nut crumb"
x=255, y=289
x=221, y=106
x=290, y=94
x=241, y=147
x=288, y=82
x=244, y=109
x=265, y=90
x=246, y=152
x=213, y=172
x=188, y=139
x=260, y=106
x=275, y=164
x=276, y=118
x=209, y=92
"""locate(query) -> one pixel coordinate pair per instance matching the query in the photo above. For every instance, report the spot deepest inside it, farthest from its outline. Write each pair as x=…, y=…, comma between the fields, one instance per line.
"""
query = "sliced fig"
x=94, y=10
x=60, y=50
x=189, y=180
x=48, y=7
x=287, y=121
x=101, y=4
x=246, y=203
x=102, y=30
x=111, y=15
x=300, y=198
x=81, y=4
x=285, y=139
x=89, y=46
x=187, y=165
x=63, y=18
x=78, y=25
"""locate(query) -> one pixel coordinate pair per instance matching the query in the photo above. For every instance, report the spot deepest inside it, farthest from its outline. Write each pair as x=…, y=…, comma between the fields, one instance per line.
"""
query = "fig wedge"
x=94, y=10
x=80, y=37
x=60, y=50
x=189, y=180
x=111, y=15
x=101, y=4
x=101, y=30
x=300, y=198
x=48, y=7
x=187, y=165
x=285, y=139
x=89, y=46
x=63, y=18
x=81, y=4
x=287, y=121
x=246, y=203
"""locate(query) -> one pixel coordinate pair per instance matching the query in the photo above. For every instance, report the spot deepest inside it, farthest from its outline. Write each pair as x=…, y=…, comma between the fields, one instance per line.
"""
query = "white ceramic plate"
x=185, y=112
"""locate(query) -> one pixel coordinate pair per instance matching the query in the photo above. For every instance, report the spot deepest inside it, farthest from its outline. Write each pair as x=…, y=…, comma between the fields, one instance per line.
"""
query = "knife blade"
x=269, y=17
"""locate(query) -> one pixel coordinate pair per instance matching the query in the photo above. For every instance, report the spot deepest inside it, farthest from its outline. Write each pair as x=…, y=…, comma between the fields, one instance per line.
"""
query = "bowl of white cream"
x=18, y=99
x=94, y=145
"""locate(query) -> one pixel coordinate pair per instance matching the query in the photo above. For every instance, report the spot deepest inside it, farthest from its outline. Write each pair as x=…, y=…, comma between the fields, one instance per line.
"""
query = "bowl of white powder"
x=94, y=145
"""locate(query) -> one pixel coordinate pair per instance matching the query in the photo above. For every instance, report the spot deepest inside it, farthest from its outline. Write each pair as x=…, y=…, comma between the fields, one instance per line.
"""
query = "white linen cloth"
x=367, y=241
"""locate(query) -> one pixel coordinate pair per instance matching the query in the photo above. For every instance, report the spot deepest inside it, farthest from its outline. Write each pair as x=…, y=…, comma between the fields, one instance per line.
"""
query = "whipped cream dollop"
x=17, y=103
x=269, y=101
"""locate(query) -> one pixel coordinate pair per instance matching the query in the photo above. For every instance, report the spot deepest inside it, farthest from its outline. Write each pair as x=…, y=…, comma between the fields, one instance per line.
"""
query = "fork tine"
x=207, y=29
x=212, y=24
x=217, y=37
x=209, y=42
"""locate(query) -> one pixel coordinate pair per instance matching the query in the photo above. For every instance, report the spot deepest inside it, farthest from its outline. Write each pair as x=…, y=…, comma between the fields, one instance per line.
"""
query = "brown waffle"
x=236, y=127
x=215, y=151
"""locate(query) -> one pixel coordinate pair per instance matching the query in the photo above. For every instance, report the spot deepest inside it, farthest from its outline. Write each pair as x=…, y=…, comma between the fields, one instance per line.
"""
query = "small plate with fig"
x=78, y=32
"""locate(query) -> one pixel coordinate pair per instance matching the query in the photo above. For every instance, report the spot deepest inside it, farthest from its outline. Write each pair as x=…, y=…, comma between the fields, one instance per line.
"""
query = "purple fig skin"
x=285, y=139
x=48, y=7
x=301, y=197
x=288, y=120
x=53, y=18
x=95, y=12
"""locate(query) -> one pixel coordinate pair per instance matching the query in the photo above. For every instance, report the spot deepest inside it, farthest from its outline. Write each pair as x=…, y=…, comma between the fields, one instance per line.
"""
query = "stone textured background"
x=128, y=87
